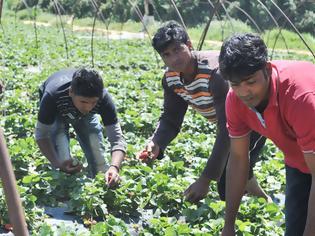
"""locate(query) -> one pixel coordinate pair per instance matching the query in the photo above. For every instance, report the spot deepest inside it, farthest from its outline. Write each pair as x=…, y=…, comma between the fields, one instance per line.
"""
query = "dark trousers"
x=298, y=186
x=257, y=142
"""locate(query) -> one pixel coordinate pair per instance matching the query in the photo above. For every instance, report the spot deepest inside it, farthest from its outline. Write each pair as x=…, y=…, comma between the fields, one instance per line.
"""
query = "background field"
x=149, y=200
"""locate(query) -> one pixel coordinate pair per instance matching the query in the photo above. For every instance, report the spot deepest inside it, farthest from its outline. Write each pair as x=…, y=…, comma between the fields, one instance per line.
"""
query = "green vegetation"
x=218, y=31
x=133, y=76
x=193, y=12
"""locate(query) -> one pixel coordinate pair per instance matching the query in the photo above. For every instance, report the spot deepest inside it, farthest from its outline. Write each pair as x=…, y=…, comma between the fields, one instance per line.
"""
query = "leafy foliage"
x=132, y=75
x=194, y=12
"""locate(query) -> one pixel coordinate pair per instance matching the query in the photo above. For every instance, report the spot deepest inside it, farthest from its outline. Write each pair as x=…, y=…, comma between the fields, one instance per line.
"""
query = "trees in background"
x=194, y=12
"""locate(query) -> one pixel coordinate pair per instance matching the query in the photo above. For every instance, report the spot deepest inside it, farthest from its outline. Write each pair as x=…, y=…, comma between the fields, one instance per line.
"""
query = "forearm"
x=170, y=122
x=164, y=134
x=218, y=158
x=117, y=158
x=237, y=174
x=48, y=150
x=310, y=222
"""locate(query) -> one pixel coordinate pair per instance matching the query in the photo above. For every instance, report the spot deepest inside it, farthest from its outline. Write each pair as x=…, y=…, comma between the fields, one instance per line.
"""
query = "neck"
x=262, y=106
x=191, y=70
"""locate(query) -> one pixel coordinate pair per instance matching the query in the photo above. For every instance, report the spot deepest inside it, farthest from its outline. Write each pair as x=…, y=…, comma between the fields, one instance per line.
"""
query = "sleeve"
x=115, y=137
x=220, y=150
x=236, y=126
x=47, y=109
x=42, y=131
x=303, y=125
x=220, y=90
x=174, y=110
x=108, y=110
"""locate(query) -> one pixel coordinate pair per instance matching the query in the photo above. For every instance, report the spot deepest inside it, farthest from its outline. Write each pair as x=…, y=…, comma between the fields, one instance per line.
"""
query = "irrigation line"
x=140, y=15
x=103, y=18
x=293, y=26
x=145, y=28
x=219, y=18
x=62, y=26
x=276, y=23
x=155, y=9
x=205, y=31
x=1, y=6
x=179, y=15
x=228, y=15
x=92, y=38
x=35, y=26
x=247, y=15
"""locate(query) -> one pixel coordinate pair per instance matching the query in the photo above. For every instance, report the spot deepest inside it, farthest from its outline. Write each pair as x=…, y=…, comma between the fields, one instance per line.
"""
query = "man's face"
x=253, y=89
x=84, y=104
x=177, y=56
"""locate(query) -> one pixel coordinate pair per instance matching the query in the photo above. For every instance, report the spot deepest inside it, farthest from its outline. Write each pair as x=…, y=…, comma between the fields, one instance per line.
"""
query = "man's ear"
x=70, y=92
x=189, y=44
x=269, y=69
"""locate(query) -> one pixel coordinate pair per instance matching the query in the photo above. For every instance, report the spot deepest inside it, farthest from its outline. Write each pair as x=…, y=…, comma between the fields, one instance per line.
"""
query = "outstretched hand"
x=198, y=190
x=112, y=176
x=70, y=166
x=150, y=153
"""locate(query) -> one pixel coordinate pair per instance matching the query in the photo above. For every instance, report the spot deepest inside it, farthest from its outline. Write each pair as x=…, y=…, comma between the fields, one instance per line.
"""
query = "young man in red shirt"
x=277, y=100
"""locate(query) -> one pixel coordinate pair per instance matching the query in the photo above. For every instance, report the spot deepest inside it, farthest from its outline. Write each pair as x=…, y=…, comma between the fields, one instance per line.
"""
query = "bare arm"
x=174, y=109
x=237, y=174
x=219, y=154
x=310, y=222
x=48, y=150
x=118, y=147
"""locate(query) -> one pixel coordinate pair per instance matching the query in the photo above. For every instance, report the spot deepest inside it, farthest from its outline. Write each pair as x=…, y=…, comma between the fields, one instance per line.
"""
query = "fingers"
x=71, y=166
x=112, y=179
x=150, y=153
x=193, y=194
x=149, y=147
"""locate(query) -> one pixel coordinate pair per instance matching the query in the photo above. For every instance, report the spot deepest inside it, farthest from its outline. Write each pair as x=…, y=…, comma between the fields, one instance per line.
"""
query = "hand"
x=150, y=153
x=198, y=190
x=112, y=176
x=228, y=230
x=70, y=166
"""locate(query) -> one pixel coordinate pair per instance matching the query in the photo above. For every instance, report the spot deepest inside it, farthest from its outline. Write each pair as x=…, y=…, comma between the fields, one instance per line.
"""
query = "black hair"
x=87, y=83
x=242, y=55
x=169, y=33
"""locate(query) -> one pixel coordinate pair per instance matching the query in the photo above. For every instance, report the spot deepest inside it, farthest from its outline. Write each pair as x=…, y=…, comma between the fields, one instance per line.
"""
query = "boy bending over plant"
x=76, y=97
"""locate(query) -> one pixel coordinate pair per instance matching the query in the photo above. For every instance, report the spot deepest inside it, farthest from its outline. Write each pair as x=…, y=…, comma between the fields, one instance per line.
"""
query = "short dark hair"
x=169, y=33
x=87, y=83
x=242, y=55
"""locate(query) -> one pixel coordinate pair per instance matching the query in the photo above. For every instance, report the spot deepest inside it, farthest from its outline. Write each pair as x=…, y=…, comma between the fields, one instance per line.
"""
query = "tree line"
x=194, y=12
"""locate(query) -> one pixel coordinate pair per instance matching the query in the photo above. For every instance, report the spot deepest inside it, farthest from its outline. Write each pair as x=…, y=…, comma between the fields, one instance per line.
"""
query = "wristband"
x=117, y=168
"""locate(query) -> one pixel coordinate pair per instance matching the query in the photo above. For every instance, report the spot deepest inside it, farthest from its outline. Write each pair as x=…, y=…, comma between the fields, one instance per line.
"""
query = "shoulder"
x=296, y=78
x=60, y=79
x=170, y=78
x=210, y=57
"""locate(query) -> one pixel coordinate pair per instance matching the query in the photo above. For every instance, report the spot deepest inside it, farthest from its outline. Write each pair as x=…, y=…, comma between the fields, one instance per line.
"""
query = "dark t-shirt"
x=55, y=101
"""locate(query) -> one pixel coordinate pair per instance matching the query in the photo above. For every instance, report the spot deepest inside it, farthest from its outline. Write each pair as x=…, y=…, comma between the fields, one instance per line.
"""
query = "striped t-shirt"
x=197, y=93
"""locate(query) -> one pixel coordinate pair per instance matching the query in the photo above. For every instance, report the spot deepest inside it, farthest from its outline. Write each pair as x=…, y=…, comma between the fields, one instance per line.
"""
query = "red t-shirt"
x=289, y=118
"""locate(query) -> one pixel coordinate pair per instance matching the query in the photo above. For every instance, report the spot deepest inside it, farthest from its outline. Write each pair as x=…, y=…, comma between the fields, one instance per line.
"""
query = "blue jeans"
x=90, y=136
x=298, y=186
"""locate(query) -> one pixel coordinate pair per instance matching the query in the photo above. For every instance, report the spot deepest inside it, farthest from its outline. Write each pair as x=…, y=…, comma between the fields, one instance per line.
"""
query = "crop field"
x=149, y=199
